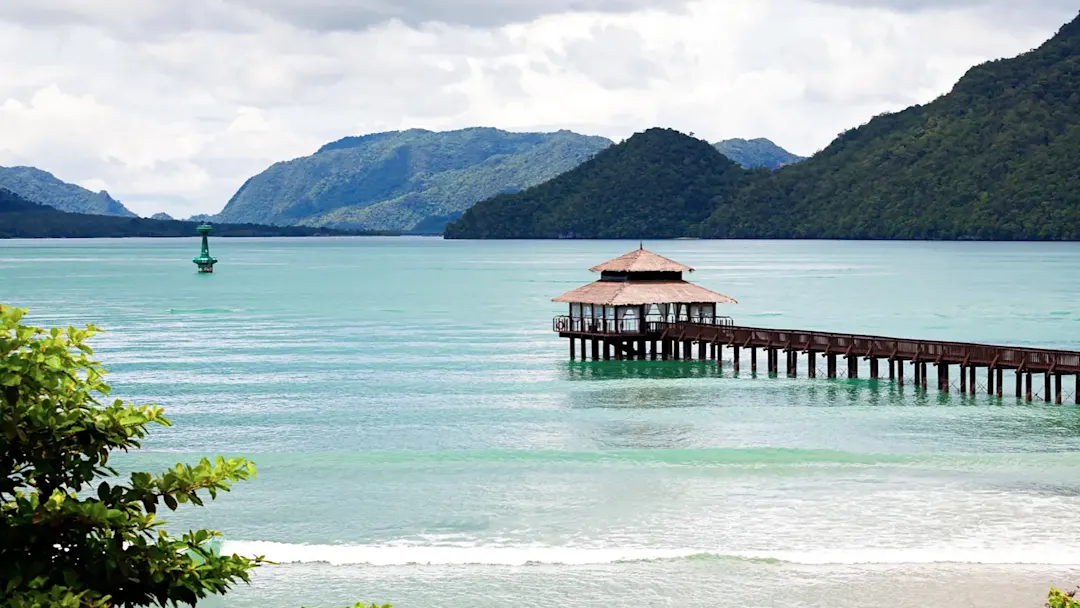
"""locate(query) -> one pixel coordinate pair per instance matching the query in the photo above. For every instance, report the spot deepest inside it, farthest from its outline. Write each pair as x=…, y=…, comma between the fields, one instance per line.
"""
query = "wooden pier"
x=887, y=357
x=642, y=309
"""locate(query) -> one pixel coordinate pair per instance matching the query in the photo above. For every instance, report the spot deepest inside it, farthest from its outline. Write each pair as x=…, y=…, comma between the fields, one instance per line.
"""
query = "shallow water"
x=422, y=439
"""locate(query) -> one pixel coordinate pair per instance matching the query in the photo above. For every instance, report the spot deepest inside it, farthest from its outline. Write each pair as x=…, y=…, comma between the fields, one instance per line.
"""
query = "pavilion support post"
x=753, y=360
x=793, y=364
x=852, y=367
x=688, y=350
x=643, y=349
x=900, y=372
x=1000, y=382
x=918, y=376
x=676, y=348
x=830, y=363
x=1027, y=385
x=811, y=364
x=652, y=349
x=923, y=372
x=1077, y=386
x=618, y=350
x=963, y=379
x=892, y=369
x=735, y=358
x=874, y=368
x=1046, y=388
x=718, y=351
x=990, y=373
x=1058, y=399
x=774, y=361
x=584, y=349
x=701, y=350
x=607, y=351
x=573, y=353
x=972, y=386
x=595, y=349
x=944, y=371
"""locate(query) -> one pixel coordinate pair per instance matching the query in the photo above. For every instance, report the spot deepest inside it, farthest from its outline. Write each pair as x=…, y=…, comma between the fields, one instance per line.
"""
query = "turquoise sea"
x=423, y=440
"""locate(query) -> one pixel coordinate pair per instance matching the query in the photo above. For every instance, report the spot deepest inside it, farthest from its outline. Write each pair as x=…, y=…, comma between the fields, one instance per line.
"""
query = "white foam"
x=400, y=554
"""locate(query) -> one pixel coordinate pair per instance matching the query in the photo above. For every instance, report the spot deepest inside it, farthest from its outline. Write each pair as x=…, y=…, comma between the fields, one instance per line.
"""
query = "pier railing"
x=876, y=347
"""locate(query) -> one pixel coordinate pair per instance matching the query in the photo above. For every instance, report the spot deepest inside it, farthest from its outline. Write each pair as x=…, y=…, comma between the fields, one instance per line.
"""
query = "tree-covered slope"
x=400, y=179
x=20, y=218
x=656, y=184
x=996, y=158
x=42, y=186
x=755, y=153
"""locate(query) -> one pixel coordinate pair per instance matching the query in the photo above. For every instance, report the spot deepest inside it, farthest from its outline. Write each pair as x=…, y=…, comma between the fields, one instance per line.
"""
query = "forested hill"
x=658, y=184
x=754, y=153
x=20, y=218
x=42, y=186
x=996, y=158
x=405, y=179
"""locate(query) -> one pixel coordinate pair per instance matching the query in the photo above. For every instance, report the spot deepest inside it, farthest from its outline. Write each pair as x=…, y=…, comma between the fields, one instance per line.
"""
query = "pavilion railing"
x=630, y=326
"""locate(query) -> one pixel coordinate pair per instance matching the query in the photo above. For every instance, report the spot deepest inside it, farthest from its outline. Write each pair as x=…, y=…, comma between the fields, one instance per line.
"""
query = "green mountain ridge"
x=995, y=158
x=755, y=153
x=38, y=185
x=21, y=218
x=404, y=179
x=659, y=183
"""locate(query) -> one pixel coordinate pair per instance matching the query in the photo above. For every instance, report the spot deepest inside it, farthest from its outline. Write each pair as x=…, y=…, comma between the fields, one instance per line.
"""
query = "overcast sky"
x=171, y=104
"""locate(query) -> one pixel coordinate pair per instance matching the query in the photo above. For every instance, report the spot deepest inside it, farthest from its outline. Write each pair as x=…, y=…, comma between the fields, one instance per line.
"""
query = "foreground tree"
x=72, y=533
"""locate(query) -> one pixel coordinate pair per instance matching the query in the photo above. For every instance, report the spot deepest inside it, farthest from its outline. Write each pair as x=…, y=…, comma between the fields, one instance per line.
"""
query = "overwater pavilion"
x=624, y=314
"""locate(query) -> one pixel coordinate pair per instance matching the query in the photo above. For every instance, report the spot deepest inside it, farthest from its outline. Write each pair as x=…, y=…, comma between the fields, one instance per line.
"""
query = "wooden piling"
x=701, y=354
x=1059, y=398
x=735, y=358
x=900, y=372
x=963, y=379
x=943, y=377
x=1046, y=388
x=924, y=379
x=892, y=369
x=874, y=368
x=990, y=373
x=831, y=363
x=753, y=360
x=793, y=364
x=852, y=367
x=918, y=376
x=1030, y=394
x=1019, y=383
x=972, y=385
x=1000, y=382
x=811, y=364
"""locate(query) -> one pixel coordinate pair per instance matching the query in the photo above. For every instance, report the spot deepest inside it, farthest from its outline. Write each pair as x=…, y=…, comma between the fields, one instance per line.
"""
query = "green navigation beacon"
x=204, y=261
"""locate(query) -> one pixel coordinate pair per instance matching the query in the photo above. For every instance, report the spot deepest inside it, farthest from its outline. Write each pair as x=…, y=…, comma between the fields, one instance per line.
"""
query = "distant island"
x=21, y=218
x=41, y=186
x=994, y=159
x=410, y=181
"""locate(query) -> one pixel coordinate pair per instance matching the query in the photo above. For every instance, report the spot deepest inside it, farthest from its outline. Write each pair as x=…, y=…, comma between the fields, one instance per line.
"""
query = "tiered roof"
x=639, y=292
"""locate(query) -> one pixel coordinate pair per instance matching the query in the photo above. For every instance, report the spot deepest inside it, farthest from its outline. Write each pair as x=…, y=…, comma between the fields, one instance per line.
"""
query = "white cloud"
x=172, y=105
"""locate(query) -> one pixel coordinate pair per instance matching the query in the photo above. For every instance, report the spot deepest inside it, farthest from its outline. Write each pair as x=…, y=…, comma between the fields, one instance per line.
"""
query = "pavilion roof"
x=637, y=293
x=641, y=260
